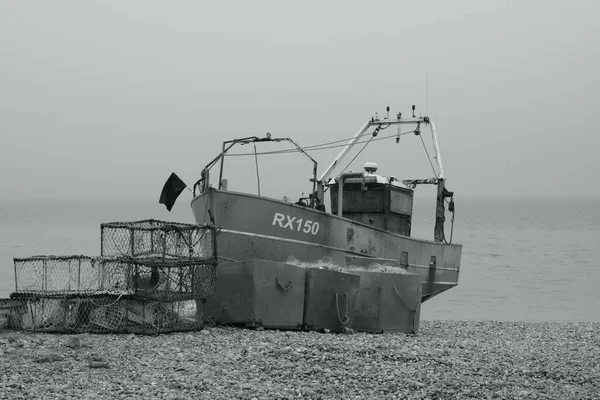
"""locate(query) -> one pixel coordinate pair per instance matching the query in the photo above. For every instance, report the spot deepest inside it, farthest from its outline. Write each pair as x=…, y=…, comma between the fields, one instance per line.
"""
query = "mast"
x=442, y=193
x=378, y=123
x=436, y=147
x=439, y=179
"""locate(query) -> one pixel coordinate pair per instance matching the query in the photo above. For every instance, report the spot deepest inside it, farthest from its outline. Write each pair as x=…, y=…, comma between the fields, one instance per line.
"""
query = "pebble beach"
x=445, y=360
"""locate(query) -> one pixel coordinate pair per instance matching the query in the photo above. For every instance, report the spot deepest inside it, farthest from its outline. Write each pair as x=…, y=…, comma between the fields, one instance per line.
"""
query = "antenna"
x=427, y=93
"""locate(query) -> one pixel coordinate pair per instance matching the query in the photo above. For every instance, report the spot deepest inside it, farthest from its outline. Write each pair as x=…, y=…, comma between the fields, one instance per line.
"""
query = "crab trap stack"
x=151, y=277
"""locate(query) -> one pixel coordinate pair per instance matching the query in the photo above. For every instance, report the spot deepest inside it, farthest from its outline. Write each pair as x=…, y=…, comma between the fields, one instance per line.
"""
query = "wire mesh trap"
x=159, y=279
x=104, y=314
x=57, y=275
x=153, y=278
x=153, y=238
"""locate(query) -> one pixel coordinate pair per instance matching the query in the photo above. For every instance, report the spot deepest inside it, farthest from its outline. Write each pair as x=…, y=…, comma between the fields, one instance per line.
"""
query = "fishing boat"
x=368, y=219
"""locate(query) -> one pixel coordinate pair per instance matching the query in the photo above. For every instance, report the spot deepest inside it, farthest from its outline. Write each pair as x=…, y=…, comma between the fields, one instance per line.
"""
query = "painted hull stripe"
x=280, y=239
x=443, y=283
x=437, y=268
x=303, y=243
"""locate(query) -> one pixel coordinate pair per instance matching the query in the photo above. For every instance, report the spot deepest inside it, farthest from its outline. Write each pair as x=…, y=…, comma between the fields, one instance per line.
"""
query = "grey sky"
x=100, y=98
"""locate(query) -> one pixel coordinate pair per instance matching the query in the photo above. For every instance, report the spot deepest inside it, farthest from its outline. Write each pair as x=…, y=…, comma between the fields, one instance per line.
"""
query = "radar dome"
x=370, y=167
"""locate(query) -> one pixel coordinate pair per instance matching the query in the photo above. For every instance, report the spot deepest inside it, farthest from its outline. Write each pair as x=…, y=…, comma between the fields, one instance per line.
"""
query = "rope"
x=451, y=226
x=403, y=301
x=285, y=289
x=107, y=305
x=346, y=318
x=412, y=309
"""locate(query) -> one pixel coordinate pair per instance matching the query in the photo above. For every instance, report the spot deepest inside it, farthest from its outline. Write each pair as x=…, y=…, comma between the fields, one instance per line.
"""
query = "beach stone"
x=73, y=342
x=544, y=360
x=48, y=357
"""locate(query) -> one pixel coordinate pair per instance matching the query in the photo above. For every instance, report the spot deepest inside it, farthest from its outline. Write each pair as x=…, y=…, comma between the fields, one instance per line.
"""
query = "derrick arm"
x=355, y=139
x=361, y=132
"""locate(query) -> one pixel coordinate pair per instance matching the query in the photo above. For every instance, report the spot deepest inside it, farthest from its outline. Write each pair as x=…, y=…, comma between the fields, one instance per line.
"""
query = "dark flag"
x=172, y=189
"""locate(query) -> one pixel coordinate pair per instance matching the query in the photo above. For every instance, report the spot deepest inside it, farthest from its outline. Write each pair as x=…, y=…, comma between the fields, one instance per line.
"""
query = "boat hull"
x=254, y=227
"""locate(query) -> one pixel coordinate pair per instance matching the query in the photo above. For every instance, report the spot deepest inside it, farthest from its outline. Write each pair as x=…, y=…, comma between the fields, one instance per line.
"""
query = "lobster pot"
x=329, y=298
x=255, y=293
x=387, y=302
x=65, y=314
x=160, y=279
x=42, y=315
x=56, y=274
x=153, y=238
x=101, y=314
x=161, y=316
x=5, y=306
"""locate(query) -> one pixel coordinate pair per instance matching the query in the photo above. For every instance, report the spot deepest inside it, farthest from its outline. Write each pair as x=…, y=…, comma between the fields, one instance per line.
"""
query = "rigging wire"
x=333, y=144
x=317, y=147
x=328, y=143
x=428, y=156
x=257, y=174
x=357, y=154
x=372, y=138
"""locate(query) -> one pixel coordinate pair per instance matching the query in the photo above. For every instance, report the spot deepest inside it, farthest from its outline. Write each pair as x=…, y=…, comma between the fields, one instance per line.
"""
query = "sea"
x=523, y=259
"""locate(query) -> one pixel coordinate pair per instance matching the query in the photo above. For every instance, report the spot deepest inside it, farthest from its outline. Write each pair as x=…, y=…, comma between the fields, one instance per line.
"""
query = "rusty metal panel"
x=329, y=299
x=401, y=201
x=387, y=302
x=401, y=298
x=377, y=220
x=400, y=224
x=356, y=200
x=258, y=293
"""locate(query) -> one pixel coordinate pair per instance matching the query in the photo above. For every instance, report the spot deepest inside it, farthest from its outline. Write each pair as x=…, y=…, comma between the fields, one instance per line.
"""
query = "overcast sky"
x=101, y=98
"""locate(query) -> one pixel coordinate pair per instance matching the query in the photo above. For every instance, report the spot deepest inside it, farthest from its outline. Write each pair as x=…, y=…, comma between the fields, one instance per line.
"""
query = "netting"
x=149, y=278
x=58, y=275
x=153, y=238
x=159, y=279
x=104, y=314
x=152, y=277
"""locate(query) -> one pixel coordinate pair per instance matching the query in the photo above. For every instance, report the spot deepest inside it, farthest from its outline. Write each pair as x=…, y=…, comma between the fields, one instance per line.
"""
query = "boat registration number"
x=296, y=224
